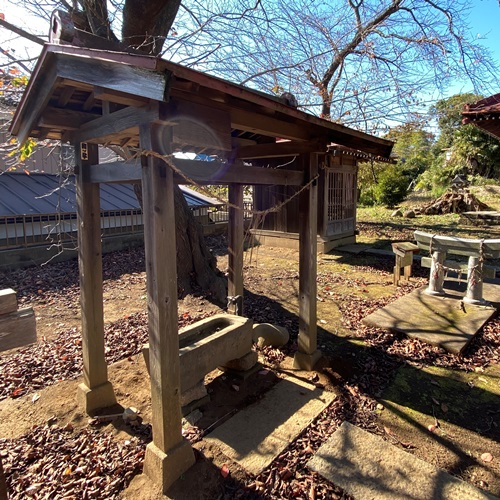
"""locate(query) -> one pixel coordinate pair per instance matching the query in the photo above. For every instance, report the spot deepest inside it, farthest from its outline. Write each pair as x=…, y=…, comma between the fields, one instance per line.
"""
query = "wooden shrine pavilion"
x=89, y=97
x=485, y=114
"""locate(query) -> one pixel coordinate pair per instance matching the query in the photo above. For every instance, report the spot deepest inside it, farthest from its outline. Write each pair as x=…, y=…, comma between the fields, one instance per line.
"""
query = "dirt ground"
x=442, y=409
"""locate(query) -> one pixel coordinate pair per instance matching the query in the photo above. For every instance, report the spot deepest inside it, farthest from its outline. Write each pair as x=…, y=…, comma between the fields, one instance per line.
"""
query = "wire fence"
x=23, y=231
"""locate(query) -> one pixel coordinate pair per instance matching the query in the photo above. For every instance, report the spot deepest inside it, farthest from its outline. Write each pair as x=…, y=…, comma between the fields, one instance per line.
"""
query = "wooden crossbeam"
x=202, y=172
x=63, y=118
x=98, y=130
x=280, y=149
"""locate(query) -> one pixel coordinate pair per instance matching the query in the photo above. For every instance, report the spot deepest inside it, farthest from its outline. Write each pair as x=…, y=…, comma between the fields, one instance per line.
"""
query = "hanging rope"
x=475, y=273
x=167, y=159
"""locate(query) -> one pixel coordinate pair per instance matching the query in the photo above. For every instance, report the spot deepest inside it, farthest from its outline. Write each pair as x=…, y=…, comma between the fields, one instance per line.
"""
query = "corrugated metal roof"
x=37, y=193
x=195, y=199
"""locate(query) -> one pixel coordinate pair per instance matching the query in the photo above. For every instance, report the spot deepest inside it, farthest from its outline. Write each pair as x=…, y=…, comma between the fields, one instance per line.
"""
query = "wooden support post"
x=96, y=391
x=436, y=277
x=308, y=354
x=235, y=251
x=169, y=455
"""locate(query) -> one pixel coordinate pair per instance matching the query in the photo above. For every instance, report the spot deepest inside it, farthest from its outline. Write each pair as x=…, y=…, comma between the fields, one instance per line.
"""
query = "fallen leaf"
x=435, y=401
x=235, y=387
x=35, y=397
x=487, y=457
x=17, y=392
x=224, y=471
x=444, y=408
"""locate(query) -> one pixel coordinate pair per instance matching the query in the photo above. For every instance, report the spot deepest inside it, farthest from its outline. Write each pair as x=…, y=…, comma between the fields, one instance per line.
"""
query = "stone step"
x=367, y=467
x=255, y=436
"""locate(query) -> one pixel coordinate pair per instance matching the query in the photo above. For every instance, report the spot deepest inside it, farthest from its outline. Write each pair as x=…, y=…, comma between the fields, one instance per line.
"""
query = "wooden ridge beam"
x=201, y=172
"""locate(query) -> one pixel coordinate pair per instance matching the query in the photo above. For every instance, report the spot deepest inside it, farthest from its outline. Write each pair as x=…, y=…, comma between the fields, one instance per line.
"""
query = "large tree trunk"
x=196, y=265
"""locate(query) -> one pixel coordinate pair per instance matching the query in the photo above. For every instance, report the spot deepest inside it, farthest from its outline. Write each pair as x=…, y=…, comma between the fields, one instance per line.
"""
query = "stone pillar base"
x=304, y=361
x=165, y=468
x=101, y=396
x=476, y=302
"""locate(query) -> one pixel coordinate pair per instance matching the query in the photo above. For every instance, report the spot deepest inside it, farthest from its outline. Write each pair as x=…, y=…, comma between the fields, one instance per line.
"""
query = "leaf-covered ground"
x=369, y=370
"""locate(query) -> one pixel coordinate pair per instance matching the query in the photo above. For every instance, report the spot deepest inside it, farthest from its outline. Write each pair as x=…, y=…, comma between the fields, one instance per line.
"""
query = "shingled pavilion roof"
x=485, y=114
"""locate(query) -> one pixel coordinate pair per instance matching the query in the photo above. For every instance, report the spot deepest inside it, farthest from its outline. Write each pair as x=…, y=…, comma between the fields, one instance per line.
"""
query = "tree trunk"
x=196, y=265
x=145, y=27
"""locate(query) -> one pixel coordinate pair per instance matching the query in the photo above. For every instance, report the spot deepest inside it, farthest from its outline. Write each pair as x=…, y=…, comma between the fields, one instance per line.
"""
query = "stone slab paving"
x=443, y=321
x=255, y=436
x=369, y=468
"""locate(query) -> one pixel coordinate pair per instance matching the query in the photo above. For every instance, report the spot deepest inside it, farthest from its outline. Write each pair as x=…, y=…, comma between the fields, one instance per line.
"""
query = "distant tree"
x=459, y=149
x=358, y=62
x=448, y=114
x=412, y=148
x=392, y=187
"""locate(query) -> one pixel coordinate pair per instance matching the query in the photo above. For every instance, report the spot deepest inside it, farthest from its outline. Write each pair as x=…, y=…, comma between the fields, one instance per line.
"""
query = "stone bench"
x=404, y=251
x=477, y=251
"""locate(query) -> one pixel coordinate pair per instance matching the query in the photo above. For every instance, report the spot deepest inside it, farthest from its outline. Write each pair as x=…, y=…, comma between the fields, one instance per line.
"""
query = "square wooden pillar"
x=169, y=455
x=96, y=391
x=235, y=250
x=307, y=354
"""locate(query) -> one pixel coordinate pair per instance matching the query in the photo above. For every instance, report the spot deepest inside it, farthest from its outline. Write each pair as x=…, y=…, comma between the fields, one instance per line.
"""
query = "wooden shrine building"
x=154, y=108
x=337, y=202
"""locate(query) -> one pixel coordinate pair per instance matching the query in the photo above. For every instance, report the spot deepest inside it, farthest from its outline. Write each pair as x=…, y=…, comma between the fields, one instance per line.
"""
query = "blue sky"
x=484, y=24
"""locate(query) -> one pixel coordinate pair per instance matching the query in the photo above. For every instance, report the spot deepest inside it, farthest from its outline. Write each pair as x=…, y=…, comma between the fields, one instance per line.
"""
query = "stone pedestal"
x=165, y=468
x=101, y=396
x=436, y=278
x=304, y=361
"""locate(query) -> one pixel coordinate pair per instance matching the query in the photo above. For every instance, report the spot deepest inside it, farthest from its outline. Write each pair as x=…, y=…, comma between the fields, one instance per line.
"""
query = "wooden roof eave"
x=148, y=76
x=65, y=64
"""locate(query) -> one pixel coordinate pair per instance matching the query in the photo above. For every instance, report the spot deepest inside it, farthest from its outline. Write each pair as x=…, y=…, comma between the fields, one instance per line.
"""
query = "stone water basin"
x=213, y=342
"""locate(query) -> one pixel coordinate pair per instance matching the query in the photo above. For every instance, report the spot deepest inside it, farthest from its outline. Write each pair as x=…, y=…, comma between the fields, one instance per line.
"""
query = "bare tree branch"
x=21, y=32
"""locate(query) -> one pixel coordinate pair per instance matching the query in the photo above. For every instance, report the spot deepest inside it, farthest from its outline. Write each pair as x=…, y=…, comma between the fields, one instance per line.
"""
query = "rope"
x=167, y=159
x=474, y=273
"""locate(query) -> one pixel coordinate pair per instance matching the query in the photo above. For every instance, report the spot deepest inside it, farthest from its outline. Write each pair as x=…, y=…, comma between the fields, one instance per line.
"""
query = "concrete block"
x=366, y=466
x=17, y=329
x=8, y=301
x=194, y=393
x=243, y=364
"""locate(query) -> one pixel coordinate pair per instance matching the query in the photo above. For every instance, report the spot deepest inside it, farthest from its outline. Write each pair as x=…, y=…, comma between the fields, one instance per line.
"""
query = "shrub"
x=392, y=187
x=367, y=197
